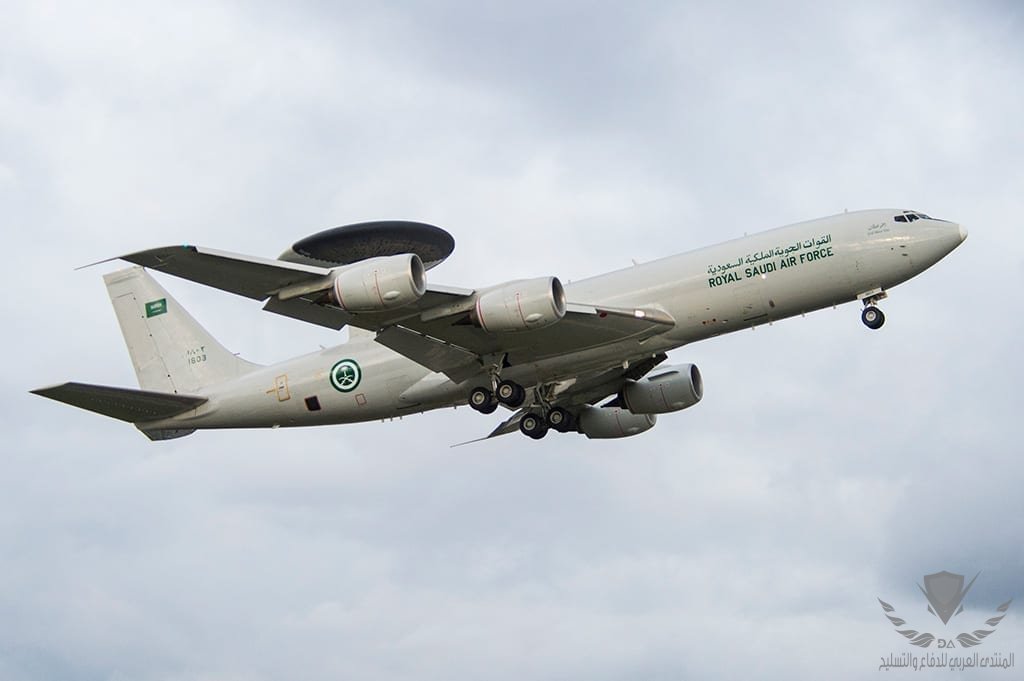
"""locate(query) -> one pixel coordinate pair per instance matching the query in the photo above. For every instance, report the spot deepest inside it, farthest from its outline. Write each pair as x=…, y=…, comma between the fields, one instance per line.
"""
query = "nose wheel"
x=872, y=317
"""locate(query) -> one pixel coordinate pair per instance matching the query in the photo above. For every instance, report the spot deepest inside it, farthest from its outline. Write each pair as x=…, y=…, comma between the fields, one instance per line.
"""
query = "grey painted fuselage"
x=730, y=286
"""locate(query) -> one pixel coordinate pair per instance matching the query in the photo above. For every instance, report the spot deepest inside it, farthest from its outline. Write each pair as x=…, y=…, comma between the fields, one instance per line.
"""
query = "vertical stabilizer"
x=171, y=352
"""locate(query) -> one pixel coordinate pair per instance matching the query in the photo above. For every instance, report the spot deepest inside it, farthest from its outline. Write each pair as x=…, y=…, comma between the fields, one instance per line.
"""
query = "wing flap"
x=125, y=404
x=583, y=327
x=454, y=362
x=309, y=311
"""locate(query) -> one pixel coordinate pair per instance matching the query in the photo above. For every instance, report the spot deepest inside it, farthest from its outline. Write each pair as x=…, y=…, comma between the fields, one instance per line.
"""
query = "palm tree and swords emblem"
x=345, y=375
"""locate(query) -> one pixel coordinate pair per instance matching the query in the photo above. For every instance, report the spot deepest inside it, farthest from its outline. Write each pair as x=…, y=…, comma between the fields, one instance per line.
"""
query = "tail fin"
x=171, y=352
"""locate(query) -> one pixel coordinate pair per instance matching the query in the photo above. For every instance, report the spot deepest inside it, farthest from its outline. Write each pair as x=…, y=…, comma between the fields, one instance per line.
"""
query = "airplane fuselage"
x=719, y=289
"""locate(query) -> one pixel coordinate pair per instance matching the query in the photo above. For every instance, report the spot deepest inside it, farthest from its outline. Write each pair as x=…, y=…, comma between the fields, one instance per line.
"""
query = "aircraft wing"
x=244, y=275
x=455, y=347
x=435, y=331
x=265, y=279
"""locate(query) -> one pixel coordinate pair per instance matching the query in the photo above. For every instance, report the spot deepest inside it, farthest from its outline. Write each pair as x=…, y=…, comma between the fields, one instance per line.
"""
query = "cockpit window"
x=910, y=216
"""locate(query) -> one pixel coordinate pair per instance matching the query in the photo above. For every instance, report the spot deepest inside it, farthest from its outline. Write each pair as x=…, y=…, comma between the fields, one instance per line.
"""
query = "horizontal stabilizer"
x=126, y=404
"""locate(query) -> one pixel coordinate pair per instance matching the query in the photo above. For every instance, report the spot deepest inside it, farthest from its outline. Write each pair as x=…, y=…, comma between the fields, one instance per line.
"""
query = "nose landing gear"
x=872, y=317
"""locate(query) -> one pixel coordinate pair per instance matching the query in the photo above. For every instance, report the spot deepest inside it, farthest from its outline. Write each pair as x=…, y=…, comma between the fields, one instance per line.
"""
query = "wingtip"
x=98, y=262
x=137, y=257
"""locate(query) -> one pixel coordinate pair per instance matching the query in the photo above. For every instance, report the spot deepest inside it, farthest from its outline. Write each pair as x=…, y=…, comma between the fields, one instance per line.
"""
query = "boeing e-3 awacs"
x=584, y=357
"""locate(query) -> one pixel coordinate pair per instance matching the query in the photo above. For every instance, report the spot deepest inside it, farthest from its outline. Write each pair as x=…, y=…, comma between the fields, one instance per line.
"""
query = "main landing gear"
x=483, y=400
x=509, y=393
x=561, y=420
x=534, y=424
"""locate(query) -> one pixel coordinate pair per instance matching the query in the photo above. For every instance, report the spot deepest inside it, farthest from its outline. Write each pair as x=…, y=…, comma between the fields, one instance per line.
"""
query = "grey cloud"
x=826, y=465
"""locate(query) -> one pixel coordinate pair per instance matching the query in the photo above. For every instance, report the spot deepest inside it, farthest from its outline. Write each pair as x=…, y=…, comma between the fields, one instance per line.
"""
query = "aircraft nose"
x=963, y=233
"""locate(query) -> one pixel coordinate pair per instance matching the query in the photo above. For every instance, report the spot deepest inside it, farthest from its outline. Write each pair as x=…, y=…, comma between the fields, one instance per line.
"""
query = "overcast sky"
x=827, y=465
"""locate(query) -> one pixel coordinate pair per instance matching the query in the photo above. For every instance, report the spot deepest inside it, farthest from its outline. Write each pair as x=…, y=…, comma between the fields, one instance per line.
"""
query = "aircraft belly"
x=338, y=385
x=795, y=292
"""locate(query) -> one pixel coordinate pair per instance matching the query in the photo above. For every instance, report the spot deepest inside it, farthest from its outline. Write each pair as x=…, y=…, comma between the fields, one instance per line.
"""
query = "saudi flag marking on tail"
x=155, y=307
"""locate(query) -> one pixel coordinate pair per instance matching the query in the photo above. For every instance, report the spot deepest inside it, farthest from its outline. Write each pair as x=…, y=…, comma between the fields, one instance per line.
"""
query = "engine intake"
x=599, y=423
x=379, y=283
x=670, y=389
x=521, y=305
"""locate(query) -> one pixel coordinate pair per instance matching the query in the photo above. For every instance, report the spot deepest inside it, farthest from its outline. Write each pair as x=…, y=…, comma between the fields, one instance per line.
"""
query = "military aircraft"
x=582, y=357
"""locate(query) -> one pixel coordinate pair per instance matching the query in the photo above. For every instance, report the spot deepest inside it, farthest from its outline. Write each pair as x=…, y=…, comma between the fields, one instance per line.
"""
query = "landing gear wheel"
x=533, y=425
x=511, y=394
x=560, y=419
x=872, y=317
x=483, y=400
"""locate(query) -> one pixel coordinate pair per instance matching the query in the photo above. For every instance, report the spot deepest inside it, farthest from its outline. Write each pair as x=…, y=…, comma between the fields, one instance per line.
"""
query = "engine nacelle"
x=521, y=305
x=669, y=389
x=379, y=283
x=599, y=423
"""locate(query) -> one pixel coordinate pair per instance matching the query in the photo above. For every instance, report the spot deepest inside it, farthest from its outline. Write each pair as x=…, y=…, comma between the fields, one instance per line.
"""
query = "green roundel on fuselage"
x=345, y=375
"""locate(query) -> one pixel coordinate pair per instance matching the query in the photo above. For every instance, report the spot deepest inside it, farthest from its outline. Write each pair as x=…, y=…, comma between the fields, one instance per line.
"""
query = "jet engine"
x=521, y=305
x=379, y=283
x=670, y=389
x=599, y=423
